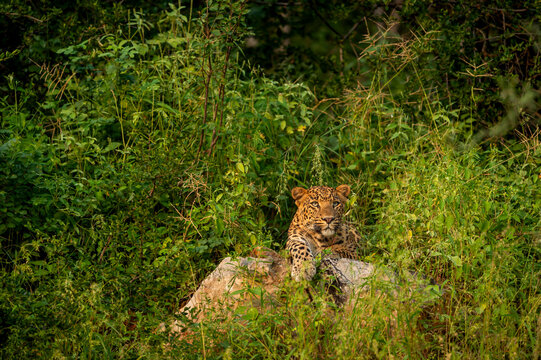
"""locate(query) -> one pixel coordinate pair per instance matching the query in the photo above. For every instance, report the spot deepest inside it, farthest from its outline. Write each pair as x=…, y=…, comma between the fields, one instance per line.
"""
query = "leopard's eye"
x=314, y=204
x=335, y=204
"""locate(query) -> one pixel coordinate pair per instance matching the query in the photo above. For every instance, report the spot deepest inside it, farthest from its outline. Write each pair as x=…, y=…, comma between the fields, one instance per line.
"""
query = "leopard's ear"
x=297, y=193
x=343, y=191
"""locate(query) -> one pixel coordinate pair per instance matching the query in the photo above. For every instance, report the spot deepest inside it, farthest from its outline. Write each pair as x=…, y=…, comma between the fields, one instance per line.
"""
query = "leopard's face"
x=320, y=208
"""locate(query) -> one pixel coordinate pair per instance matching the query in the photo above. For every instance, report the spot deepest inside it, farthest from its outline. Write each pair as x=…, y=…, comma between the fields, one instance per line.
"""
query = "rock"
x=256, y=282
x=229, y=285
x=224, y=286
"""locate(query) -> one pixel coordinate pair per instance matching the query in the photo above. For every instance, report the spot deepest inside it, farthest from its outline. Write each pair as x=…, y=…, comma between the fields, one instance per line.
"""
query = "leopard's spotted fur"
x=317, y=225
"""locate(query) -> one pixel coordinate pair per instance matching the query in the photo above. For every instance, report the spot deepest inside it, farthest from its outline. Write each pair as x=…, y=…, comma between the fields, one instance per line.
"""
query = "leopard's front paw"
x=303, y=271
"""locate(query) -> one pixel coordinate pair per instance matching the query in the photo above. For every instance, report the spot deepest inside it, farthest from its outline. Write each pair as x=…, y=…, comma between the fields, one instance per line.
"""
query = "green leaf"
x=240, y=167
x=111, y=146
x=449, y=221
x=455, y=260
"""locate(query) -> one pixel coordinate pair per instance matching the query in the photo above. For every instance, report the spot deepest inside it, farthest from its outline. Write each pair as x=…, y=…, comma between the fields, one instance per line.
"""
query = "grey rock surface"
x=229, y=285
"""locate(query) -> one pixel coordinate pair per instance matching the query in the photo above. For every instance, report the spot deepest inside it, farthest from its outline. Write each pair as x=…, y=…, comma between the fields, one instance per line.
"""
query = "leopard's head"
x=320, y=208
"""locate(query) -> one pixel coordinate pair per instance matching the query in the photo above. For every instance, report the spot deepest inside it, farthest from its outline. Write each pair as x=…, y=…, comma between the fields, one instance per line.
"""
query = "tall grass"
x=468, y=220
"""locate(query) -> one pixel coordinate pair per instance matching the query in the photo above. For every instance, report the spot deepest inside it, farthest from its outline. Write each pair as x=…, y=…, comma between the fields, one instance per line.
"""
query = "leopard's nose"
x=328, y=219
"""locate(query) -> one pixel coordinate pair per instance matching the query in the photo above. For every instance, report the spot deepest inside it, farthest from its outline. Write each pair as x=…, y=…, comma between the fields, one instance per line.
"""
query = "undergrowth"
x=157, y=151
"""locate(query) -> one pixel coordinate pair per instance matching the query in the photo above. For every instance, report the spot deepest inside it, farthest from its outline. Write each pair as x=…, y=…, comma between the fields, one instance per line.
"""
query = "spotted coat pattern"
x=317, y=226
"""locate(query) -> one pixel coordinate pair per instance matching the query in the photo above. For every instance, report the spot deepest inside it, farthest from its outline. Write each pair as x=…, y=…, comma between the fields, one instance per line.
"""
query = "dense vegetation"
x=140, y=144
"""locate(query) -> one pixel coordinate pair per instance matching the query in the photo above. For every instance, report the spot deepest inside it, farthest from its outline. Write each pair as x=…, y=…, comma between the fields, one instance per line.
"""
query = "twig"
x=353, y=28
x=64, y=87
x=207, y=85
x=313, y=6
x=23, y=15
x=224, y=77
x=105, y=248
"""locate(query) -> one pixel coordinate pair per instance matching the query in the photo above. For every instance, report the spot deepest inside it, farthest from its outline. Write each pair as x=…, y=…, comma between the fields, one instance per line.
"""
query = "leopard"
x=318, y=228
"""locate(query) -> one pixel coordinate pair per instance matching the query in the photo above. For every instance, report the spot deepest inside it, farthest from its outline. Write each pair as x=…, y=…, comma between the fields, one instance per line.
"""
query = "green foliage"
x=135, y=156
x=454, y=52
x=463, y=219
